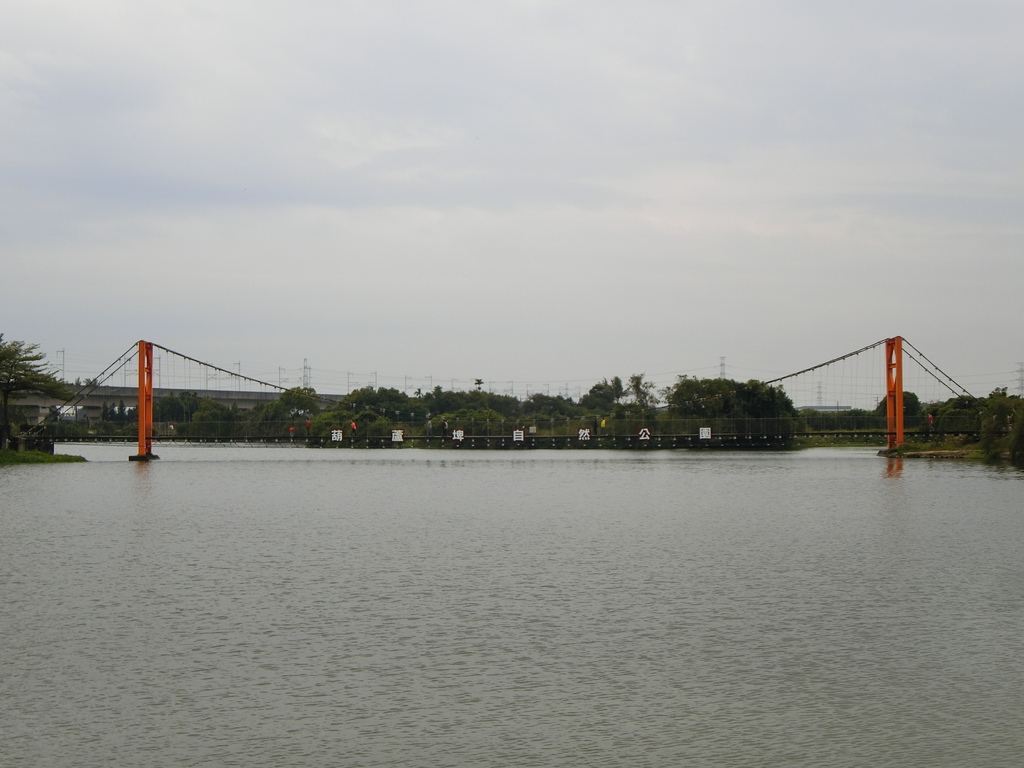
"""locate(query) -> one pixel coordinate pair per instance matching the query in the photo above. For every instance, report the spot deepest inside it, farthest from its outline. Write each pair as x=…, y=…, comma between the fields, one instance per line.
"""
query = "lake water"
x=253, y=607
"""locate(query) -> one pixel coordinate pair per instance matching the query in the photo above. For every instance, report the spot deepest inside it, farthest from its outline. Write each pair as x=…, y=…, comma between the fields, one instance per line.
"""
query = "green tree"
x=757, y=400
x=178, y=407
x=386, y=402
x=292, y=406
x=549, y=406
x=603, y=396
x=22, y=372
x=441, y=402
x=727, y=398
x=302, y=400
x=911, y=406
x=699, y=397
x=997, y=423
x=124, y=414
x=956, y=414
x=1017, y=436
x=617, y=390
x=212, y=419
x=643, y=392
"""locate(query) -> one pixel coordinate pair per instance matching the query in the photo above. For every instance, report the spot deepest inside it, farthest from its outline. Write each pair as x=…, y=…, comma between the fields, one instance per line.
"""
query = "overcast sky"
x=528, y=191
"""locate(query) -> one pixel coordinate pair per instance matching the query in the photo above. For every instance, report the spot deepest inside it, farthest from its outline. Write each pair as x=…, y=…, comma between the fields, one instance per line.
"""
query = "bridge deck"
x=738, y=440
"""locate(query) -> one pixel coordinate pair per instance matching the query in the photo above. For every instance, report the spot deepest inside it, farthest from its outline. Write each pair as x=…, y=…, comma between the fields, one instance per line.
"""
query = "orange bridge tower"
x=145, y=404
x=894, y=390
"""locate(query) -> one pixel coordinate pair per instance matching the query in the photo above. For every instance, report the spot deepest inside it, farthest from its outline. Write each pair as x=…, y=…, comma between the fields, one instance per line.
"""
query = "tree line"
x=611, y=405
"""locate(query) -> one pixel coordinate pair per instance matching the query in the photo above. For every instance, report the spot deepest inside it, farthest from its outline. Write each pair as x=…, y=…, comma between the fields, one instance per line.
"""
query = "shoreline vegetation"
x=973, y=452
x=10, y=457
x=953, y=449
x=962, y=453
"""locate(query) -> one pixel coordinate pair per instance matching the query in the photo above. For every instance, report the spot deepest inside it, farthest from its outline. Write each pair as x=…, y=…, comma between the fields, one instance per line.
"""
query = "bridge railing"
x=322, y=428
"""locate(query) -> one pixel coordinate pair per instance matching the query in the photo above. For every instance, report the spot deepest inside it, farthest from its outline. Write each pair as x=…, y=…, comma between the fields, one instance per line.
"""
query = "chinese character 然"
x=336, y=435
x=645, y=433
x=584, y=434
x=518, y=435
x=458, y=434
x=397, y=435
x=705, y=433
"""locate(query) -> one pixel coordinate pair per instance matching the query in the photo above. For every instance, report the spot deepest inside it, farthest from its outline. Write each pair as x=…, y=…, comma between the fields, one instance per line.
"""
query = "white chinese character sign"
x=518, y=435
x=458, y=435
x=645, y=433
x=584, y=433
x=397, y=435
x=705, y=433
x=337, y=436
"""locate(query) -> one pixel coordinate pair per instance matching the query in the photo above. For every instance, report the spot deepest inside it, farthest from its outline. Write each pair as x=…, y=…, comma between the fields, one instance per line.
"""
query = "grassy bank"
x=34, y=457
x=949, y=449
x=838, y=441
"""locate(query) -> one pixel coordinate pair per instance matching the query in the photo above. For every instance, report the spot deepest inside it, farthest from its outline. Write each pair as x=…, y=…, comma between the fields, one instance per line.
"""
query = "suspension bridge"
x=856, y=397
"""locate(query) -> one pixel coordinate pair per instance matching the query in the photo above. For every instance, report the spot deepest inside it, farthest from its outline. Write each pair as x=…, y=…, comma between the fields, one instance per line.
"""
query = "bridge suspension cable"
x=232, y=374
x=830, y=362
x=963, y=391
x=89, y=387
x=775, y=381
x=242, y=377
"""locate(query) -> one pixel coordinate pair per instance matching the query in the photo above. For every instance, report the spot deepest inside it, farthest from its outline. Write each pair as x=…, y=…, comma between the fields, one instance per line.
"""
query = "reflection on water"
x=267, y=607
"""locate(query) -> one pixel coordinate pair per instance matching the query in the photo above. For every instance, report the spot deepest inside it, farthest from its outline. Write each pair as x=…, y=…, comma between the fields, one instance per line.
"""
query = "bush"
x=8, y=456
x=1017, y=438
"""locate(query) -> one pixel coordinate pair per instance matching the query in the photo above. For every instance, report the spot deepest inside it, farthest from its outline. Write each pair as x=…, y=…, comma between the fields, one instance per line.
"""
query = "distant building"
x=825, y=408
